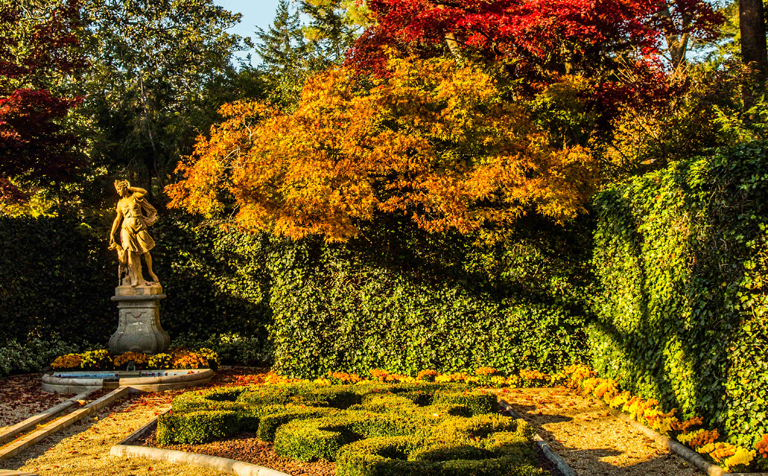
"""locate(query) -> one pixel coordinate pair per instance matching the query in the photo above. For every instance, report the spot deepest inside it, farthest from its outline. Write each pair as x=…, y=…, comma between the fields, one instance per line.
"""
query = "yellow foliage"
x=434, y=140
x=485, y=371
x=742, y=457
x=138, y=358
x=69, y=361
x=699, y=438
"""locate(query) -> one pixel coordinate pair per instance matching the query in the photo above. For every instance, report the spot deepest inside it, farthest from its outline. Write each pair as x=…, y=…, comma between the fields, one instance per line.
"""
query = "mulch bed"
x=246, y=447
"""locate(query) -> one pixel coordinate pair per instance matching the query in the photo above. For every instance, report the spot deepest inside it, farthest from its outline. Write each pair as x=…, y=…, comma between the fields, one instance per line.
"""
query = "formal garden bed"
x=366, y=428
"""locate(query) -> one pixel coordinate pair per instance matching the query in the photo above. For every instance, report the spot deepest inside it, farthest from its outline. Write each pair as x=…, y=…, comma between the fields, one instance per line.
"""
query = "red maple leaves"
x=37, y=48
x=534, y=39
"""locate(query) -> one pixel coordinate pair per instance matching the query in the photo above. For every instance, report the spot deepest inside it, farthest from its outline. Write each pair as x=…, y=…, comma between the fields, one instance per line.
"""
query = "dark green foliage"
x=55, y=279
x=396, y=430
x=407, y=302
x=680, y=255
x=59, y=278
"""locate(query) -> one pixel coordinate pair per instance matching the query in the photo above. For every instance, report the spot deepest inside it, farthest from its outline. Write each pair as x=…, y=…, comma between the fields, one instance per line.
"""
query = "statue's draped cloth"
x=133, y=234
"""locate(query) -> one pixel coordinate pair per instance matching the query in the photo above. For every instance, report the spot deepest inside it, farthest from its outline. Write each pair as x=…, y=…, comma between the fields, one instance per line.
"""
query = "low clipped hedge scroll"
x=369, y=429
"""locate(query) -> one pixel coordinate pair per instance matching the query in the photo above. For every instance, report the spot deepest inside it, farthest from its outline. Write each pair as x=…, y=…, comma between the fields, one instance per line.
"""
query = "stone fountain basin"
x=140, y=381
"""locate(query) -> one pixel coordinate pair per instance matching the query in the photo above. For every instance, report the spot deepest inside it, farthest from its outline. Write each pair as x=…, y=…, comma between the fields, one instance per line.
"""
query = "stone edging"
x=675, y=447
x=555, y=458
x=12, y=431
x=126, y=450
x=14, y=448
x=196, y=377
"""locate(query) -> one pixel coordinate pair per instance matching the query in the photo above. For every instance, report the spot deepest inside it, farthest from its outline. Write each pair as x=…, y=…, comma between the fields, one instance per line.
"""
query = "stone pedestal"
x=139, y=329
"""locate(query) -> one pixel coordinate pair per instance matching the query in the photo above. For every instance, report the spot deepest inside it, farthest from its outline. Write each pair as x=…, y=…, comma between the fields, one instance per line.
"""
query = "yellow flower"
x=741, y=457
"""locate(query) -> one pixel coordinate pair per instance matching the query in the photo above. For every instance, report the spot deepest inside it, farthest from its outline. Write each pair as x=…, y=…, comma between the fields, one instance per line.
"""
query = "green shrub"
x=33, y=355
x=400, y=456
x=478, y=403
x=680, y=257
x=202, y=426
x=217, y=399
x=302, y=394
x=313, y=439
x=403, y=300
x=272, y=422
x=392, y=428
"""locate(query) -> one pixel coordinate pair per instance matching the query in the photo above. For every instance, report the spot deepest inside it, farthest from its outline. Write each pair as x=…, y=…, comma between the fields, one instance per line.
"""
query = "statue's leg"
x=148, y=260
x=132, y=262
x=134, y=268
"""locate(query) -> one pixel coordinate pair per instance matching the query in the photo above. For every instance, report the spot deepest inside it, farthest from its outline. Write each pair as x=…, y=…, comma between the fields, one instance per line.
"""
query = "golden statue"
x=136, y=215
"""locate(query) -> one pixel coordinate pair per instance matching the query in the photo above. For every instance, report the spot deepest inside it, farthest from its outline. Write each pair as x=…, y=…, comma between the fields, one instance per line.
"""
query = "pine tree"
x=284, y=55
x=331, y=30
x=283, y=44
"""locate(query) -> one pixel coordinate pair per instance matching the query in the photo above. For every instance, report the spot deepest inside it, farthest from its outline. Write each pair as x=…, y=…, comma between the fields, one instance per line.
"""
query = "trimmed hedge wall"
x=681, y=257
x=404, y=301
x=369, y=429
x=397, y=298
x=57, y=277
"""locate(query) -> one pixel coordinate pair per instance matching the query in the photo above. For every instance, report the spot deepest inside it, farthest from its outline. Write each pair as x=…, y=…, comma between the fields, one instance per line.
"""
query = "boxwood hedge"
x=681, y=257
x=371, y=430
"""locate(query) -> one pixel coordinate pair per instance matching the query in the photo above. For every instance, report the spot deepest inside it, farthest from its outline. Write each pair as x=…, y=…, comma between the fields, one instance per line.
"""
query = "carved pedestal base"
x=139, y=329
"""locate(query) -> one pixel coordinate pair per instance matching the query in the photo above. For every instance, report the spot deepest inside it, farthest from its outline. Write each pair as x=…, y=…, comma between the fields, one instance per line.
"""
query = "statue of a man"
x=136, y=215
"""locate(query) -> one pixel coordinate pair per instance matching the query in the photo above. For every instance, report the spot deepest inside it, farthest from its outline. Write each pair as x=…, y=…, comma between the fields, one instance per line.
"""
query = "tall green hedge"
x=680, y=258
x=404, y=300
x=57, y=277
x=395, y=298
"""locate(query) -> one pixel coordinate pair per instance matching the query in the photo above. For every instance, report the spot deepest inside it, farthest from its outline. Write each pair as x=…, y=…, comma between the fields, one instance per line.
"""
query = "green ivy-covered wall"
x=679, y=256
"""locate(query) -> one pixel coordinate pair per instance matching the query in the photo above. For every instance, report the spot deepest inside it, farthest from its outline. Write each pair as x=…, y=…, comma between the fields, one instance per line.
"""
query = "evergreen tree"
x=282, y=46
x=284, y=55
x=333, y=28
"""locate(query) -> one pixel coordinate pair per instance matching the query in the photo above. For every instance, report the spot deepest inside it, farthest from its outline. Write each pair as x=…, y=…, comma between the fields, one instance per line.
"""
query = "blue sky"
x=255, y=13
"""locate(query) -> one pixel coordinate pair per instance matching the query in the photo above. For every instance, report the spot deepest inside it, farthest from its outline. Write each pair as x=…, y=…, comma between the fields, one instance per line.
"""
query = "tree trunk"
x=752, y=26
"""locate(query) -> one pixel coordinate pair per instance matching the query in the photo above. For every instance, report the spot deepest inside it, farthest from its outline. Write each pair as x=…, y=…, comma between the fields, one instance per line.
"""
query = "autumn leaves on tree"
x=36, y=52
x=438, y=115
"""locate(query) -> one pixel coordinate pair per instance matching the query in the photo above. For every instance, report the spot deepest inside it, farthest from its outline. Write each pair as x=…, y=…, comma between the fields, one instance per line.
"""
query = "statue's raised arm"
x=136, y=215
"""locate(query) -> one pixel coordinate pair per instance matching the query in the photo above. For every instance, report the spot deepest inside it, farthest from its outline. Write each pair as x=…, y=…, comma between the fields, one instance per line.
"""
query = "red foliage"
x=33, y=142
x=536, y=40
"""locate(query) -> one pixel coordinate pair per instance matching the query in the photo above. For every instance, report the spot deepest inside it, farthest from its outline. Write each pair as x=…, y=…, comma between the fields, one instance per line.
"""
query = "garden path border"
x=555, y=458
x=674, y=446
x=12, y=431
x=126, y=449
x=13, y=448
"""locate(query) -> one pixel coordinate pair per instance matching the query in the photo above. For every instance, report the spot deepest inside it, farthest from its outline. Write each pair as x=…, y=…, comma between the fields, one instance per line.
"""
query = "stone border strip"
x=8, y=472
x=675, y=447
x=14, y=448
x=12, y=431
x=72, y=383
x=126, y=450
x=555, y=458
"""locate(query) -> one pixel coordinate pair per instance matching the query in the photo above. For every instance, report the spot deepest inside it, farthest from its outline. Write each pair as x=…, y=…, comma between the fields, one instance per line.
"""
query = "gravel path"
x=590, y=439
x=83, y=448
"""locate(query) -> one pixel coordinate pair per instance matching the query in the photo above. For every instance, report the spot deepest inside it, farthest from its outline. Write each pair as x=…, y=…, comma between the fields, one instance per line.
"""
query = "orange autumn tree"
x=435, y=140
